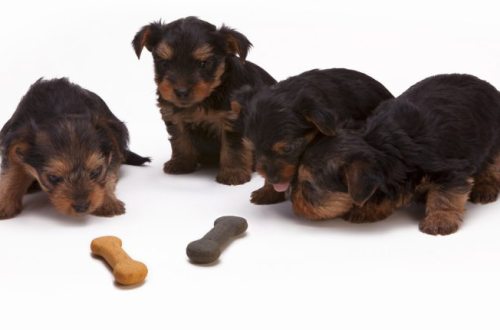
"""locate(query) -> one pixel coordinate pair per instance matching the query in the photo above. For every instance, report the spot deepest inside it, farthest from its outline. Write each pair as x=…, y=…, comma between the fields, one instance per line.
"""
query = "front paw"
x=440, y=223
x=176, y=166
x=267, y=195
x=110, y=208
x=233, y=177
x=8, y=211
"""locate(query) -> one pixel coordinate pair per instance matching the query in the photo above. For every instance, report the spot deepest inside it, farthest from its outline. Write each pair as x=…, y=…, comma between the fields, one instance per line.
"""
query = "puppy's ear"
x=236, y=42
x=319, y=116
x=362, y=181
x=147, y=37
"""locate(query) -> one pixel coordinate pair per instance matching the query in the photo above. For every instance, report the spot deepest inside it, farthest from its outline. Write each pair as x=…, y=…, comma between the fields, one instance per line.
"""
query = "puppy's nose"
x=182, y=93
x=81, y=207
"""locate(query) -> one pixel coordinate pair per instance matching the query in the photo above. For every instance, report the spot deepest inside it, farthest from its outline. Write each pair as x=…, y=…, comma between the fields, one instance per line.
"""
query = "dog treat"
x=125, y=270
x=209, y=248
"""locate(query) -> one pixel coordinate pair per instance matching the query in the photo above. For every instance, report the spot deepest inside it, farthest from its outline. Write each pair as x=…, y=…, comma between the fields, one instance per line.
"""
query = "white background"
x=286, y=272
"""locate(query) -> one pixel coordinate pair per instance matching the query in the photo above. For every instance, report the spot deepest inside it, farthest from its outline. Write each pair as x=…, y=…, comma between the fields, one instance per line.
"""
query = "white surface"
x=286, y=273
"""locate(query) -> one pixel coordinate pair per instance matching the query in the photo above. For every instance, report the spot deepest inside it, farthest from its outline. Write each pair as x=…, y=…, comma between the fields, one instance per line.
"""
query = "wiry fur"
x=282, y=120
x=65, y=139
x=438, y=142
x=197, y=68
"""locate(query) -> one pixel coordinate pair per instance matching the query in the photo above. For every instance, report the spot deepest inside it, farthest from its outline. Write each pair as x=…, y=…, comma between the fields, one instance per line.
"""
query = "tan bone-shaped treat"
x=125, y=270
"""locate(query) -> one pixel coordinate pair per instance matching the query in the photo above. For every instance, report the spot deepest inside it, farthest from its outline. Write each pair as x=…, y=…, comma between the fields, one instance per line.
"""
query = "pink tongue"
x=281, y=187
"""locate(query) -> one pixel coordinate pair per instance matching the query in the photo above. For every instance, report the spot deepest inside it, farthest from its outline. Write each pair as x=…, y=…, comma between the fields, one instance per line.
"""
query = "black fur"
x=441, y=132
x=181, y=75
x=302, y=108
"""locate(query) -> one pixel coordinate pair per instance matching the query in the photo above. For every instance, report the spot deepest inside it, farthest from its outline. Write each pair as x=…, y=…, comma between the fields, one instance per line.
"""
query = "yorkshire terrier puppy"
x=64, y=139
x=439, y=142
x=281, y=121
x=197, y=68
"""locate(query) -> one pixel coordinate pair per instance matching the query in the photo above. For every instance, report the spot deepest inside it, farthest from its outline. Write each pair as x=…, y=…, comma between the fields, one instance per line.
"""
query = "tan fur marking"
x=202, y=89
x=164, y=51
x=332, y=204
x=14, y=182
x=203, y=53
x=444, y=209
x=487, y=184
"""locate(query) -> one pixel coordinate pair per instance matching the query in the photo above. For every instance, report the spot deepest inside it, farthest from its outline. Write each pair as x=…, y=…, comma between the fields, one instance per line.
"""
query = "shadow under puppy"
x=438, y=142
x=64, y=139
x=284, y=119
x=197, y=68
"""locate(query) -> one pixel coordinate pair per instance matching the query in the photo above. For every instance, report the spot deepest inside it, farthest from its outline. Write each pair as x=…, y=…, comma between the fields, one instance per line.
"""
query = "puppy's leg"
x=444, y=208
x=184, y=157
x=14, y=183
x=487, y=184
x=267, y=195
x=111, y=205
x=235, y=160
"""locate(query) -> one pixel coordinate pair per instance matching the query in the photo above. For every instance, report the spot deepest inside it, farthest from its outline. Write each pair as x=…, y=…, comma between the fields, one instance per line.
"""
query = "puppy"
x=197, y=68
x=282, y=120
x=438, y=142
x=65, y=140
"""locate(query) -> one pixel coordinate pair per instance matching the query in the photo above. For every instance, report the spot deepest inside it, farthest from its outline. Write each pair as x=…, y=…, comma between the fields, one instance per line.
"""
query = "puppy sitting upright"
x=196, y=71
x=439, y=142
x=65, y=140
x=284, y=119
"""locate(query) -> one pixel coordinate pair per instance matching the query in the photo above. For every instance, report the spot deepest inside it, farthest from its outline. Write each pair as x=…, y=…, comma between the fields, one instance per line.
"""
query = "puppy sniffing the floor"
x=439, y=142
x=197, y=68
x=283, y=120
x=66, y=140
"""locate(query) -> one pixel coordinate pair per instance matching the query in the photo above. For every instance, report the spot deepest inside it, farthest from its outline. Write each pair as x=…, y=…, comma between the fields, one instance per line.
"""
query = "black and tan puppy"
x=282, y=120
x=66, y=140
x=197, y=68
x=438, y=142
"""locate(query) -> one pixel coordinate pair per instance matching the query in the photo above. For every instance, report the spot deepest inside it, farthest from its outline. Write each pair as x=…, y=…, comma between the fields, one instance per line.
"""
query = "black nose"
x=81, y=207
x=182, y=93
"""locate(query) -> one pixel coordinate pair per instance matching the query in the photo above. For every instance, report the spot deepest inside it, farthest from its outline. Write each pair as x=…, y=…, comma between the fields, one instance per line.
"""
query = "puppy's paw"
x=110, y=208
x=233, y=177
x=9, y=210
x=440, y=223
x=267, y=195
x=175, y=166
x=358, y=216
x=483, y=194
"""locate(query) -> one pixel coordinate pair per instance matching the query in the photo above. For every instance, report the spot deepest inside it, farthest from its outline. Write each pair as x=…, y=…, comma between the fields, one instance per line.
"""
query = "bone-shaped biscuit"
x=209, y=248
x=125, y=270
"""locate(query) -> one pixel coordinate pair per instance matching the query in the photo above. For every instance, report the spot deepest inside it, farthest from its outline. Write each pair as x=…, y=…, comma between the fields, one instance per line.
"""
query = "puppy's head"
x=279, y=126
x=189, y=57
x=346, y=166
x=72, y=159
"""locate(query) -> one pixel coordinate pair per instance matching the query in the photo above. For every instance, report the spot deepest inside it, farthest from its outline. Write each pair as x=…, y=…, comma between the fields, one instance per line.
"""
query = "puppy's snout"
x=182, y=93
x=81, y=206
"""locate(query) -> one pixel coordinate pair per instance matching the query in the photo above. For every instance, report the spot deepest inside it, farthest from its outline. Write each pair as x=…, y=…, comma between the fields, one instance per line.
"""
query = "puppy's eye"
x=287, y=149
x=54, y=179
x=202, y=64
x=96, y=173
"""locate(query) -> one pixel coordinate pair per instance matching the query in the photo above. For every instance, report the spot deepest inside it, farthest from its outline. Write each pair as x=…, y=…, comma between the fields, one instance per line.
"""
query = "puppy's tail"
x=131, y=158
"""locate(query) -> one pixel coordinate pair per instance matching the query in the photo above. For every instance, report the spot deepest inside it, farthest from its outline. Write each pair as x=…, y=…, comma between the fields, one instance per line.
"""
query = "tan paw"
x=175, y=166
x=110, y=208
x=267, y=195
x=8, y=211
x=440, y=223
x=233, y=177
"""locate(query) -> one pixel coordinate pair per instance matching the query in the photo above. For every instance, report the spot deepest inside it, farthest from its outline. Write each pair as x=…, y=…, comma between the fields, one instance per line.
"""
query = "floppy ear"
x=147, y=37
x=322, y=118
x=362, y=181
x=236, y=42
